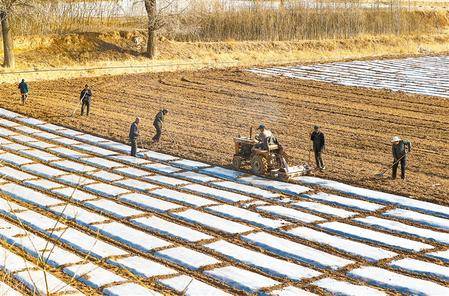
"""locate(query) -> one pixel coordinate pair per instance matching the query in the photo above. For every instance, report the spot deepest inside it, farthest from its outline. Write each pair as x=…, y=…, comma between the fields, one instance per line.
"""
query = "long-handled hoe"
x=381, y=175
x=77, y=105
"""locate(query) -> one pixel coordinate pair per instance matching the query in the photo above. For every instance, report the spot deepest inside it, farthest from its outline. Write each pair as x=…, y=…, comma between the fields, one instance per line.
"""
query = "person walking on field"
x=158, y=120
x=318, y=144
x=23, y=87
x=134, y=135
x=85, y=98
x=400, y=149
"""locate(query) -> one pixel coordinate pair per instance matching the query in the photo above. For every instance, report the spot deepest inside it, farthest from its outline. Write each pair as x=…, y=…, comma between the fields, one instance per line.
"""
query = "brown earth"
x=209, y=108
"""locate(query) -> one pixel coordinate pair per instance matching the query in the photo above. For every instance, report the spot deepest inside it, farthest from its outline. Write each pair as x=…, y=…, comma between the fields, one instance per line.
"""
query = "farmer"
x=265, y=137
x=133, y=135
x=158, y=120
x=318, y=144
x=23, y=87
x=85, y=98
x=400, y=149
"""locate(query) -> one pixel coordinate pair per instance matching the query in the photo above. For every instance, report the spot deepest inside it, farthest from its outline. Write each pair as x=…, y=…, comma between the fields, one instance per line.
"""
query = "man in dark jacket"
x=23, y=87
x=85, y=97
x=318, y=144
x=134, y=135
x=400, y=149
x=158, y=120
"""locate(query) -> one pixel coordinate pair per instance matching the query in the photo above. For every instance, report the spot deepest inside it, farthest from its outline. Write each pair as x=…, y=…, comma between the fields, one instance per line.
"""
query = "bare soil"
x=208, y=108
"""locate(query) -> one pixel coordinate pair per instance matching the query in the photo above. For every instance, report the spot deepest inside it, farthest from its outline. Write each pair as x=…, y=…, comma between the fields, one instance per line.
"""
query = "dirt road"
x=208, y=108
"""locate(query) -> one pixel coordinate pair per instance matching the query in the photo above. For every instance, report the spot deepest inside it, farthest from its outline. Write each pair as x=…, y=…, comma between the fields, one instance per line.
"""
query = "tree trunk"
x=8, y=54
x=150, y=6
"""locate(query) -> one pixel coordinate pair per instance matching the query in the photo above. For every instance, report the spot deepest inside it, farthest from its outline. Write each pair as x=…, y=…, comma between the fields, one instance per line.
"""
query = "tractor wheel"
x=259, y=165
x=237, y=162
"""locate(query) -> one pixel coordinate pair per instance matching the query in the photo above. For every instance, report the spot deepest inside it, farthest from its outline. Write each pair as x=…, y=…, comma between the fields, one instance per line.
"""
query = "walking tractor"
x=265, y=162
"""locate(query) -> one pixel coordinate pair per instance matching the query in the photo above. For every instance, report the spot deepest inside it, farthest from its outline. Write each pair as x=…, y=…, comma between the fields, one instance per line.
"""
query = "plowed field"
x=207, y=109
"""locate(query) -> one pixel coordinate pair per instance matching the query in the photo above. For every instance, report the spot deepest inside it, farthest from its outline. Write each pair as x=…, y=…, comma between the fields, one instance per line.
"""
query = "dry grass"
x=215, y=22
x=300, y=23
x=51, y=57
x=200, y=38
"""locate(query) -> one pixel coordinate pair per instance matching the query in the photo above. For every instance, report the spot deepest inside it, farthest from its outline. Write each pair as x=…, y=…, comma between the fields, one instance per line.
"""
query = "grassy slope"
x=123, y=49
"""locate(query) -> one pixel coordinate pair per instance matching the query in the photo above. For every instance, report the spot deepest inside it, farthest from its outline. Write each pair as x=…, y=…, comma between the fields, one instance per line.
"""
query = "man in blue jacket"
x=23, y=87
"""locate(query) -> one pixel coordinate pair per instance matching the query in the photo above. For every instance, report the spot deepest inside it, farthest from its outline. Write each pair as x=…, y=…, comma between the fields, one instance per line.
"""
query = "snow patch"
x=43, y=170
x=401, y=283
x=185, y=198
x=287, y=188
x=93, y=275
x=213, y=222
x=247, y=216
x=345, y=201
x=171, y=229
x=399, y=227
x=134, y=184
x=324, y=209
x=113, y=208
x=187, y=257
x=267, y=264
x=189, y=164
x=217, y=193
x=420, y=218
x=131, y=237
x=344, y=288
x=247, y=189
x=221, y=172
x=241, y=279
x=422, y=267
x=352, y=247
x=166, y=181
x=124, y=289
x=378, y=196
x=290, y=213
x=191, y=287
x=375, y=236
x=296, y=251
x=193, y=176
x=143, y=267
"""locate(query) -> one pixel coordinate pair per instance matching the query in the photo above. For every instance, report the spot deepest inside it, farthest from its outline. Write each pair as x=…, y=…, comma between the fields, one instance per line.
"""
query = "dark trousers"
x=403, y=162
x=24, y=97
x=158, y=128
x=133, y=147
x=318, y=159
x=85, y=104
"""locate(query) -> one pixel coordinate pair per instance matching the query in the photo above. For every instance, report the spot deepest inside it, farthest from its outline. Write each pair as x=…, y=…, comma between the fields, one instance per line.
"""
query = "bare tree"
x=150, y=7
x=7, y=7
x=156, y=13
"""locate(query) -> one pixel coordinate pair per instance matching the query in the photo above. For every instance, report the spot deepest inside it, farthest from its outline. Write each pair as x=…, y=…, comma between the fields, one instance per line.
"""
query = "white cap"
x=395, y=139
